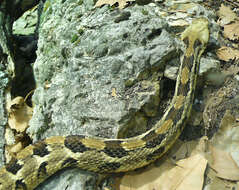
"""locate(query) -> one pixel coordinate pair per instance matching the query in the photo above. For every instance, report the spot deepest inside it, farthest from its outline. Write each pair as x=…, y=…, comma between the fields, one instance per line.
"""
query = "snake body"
x=37, y=162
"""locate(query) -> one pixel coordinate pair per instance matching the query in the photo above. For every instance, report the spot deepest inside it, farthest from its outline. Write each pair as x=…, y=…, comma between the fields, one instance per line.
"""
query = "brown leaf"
x=19, y=114
x=227, y=136
x=13, y=149
x=232, y=70
x=226, y=15
x=231, y=31
x=122, y=3
x=224, y=148
x=113, y=92
x=227, y=53
x=224, y=165
x=187, y=175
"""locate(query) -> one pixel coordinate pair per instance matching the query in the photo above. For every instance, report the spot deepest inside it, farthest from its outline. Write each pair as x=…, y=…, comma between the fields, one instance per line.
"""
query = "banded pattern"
x=37, y=162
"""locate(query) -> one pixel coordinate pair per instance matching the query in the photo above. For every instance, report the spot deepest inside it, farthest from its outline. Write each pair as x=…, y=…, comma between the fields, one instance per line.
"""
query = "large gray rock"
x=3, y=121
x=84, y=56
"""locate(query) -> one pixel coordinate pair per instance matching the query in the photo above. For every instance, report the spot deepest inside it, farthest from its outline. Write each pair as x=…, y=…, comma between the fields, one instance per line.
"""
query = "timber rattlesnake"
x=37, y=162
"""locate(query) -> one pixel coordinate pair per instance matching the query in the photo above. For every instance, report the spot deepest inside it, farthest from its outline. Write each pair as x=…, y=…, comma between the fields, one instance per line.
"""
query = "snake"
x=35, y=163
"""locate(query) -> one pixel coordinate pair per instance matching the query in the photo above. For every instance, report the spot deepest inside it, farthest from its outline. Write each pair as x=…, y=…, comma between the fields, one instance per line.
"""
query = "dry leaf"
x=189, y=174
x=113, y=92
x=226, y=15
x=13, y=149
x=232, y=70
x=47, y=85
x=183, y=150
x=231, y=31
x=215, y=183
x=227, y=136
x=227, y=53
x=19, y=114
x=193, y=172
x=224, y=165
x=122, y=3
x=225, y=149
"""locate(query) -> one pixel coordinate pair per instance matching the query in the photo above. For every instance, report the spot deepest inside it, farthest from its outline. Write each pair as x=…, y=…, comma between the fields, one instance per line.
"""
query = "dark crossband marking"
x=69, y=162
x=156, y=141
x=75, y=145
x=40, y=149
x=114, y=149
x=42, y=169
x=154, y=155
x=13, y=166
x=20, y=185
x=109, y=166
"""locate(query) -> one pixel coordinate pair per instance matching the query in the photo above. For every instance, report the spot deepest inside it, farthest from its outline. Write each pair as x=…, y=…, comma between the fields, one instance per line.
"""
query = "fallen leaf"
x=187, y=175
x=19, y=114
x=227, y=53
x=13, y=149
x=226, y=15
x=224, y=148
x=216, y=183
x=231, y=31
x=192, y=171
x=224, y=165
x=47, y=85
x=227, y=136
x=232, y=70
x=113, y=92
x=185, y=149
x=122, y=3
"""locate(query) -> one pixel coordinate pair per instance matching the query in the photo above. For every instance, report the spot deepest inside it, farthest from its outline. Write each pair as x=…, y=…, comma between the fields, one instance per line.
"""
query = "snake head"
x=197, y=32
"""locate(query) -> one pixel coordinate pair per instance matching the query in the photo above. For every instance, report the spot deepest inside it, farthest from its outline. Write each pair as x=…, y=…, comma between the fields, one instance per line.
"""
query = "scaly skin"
x=37, y=162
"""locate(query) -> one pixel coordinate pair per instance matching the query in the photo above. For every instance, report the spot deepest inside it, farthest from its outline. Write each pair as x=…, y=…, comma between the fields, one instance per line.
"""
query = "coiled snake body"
x=37, y=162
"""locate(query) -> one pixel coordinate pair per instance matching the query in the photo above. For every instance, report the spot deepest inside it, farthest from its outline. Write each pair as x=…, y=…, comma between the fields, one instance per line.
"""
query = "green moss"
x=77, y=42
x=80, y=2
x=46, y=6
x=144, y=12
x=74, y=38
x=130, y=82
x=80, y=31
